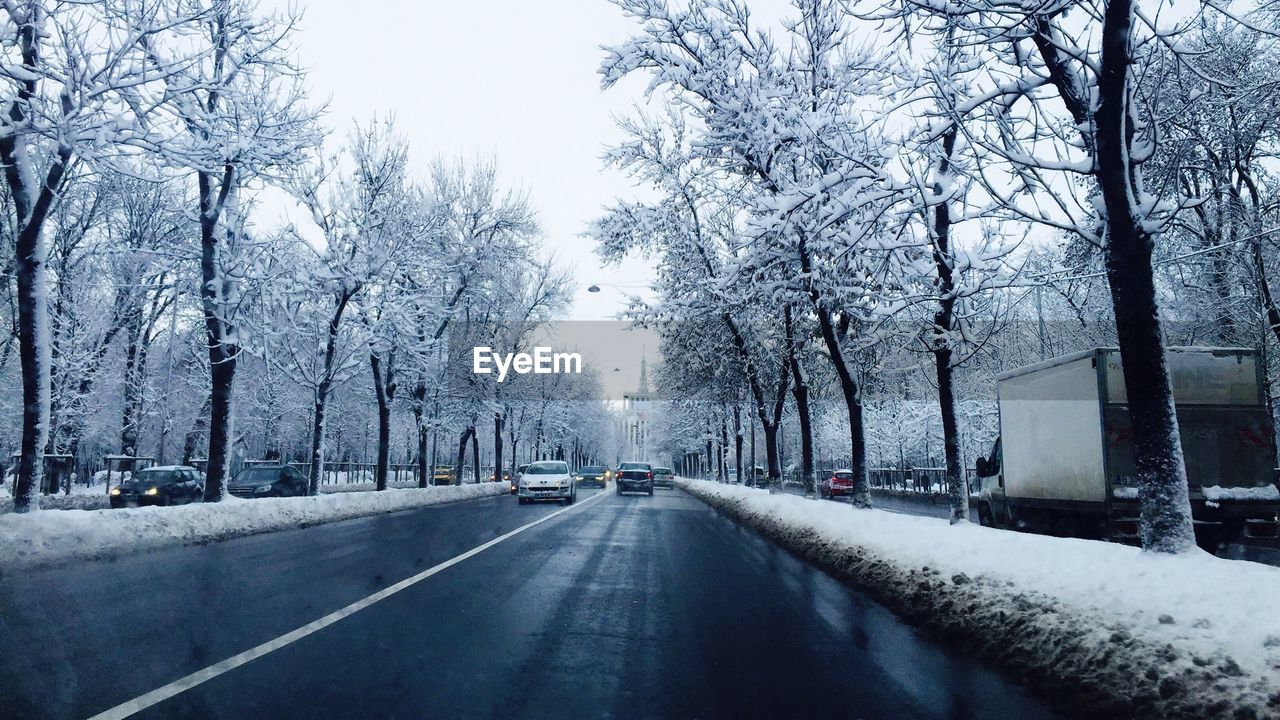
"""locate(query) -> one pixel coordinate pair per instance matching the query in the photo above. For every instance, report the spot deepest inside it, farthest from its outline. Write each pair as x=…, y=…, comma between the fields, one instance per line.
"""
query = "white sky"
x=515, y=79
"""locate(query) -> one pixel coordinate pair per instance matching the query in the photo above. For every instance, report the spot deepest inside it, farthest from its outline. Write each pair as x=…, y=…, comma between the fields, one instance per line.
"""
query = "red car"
x=838, y=484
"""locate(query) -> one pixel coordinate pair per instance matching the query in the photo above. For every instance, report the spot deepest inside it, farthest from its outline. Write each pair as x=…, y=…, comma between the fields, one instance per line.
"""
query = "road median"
x=1105, y=630
x=47, y=538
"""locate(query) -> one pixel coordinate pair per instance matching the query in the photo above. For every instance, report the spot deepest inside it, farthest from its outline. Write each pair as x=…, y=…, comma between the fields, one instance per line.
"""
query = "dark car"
x=634, y=477
x=268, y=481
x=594, y=475
x=664, y=477
x=166, y=485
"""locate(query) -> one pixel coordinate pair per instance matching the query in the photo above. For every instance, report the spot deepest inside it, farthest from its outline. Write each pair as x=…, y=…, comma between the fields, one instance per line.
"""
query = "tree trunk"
x=462, y=451
x=849, y=390
x=943, y=325
x=497, y=445
x=737, y=440
x=800, y=392
x=771, y=453
x=957, y=493
x=316, y=475
x=198, y=427
x=130, y=416
x=384, y=388
x=710, y=463
x=29, y=255
x=423, y=467
x=419, y=424
x=223, y=353
x=32, y=336
x=1165, y=504
x=722, y=455
x=475, y=454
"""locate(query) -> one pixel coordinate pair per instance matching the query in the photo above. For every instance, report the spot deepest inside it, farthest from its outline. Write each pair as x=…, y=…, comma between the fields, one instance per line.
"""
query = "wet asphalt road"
x=623, y=607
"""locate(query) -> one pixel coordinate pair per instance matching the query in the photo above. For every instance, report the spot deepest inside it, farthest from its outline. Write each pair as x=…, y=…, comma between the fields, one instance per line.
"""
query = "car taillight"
x=650, y=476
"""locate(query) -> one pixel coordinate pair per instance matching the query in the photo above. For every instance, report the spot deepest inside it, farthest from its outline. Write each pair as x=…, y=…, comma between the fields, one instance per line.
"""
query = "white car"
x=547, y=480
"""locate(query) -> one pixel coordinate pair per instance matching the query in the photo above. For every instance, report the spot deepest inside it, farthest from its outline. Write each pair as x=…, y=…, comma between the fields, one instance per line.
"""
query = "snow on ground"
x=48, y=538
x=94, y=497
x=1109, y=628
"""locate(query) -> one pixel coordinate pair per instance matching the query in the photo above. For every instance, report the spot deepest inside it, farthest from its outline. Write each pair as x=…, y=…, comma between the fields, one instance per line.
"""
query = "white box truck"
x=1064, y=461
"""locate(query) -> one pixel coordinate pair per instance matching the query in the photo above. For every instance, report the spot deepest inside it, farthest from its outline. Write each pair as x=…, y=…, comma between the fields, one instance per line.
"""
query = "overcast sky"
x=511, y=78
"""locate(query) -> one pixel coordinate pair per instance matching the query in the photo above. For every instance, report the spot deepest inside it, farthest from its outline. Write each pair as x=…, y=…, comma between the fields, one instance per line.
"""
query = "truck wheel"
x=984, y=516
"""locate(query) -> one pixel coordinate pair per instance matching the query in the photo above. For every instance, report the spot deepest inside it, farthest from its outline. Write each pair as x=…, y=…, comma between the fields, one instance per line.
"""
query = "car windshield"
x=157, y=477
x=591, y=470
x=663, y=471
x=258, y=475
x=551, y=468
x=633, y=466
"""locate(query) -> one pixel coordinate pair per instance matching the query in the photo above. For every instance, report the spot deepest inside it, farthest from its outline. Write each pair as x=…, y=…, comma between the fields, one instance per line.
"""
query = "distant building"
x=637, y=411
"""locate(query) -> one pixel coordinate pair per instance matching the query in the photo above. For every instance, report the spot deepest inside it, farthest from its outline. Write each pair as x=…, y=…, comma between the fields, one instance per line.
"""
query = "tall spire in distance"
x=644, y=375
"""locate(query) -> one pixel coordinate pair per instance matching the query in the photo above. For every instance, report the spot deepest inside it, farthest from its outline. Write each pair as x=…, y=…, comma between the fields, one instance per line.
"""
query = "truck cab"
x=992, y=511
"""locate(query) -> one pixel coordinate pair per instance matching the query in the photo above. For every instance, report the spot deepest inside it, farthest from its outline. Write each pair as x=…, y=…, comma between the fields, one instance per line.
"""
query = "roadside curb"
x=1086, y=669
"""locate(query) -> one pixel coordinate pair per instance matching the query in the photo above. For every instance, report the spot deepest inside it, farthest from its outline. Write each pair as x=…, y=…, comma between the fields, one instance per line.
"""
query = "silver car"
x=547, y=480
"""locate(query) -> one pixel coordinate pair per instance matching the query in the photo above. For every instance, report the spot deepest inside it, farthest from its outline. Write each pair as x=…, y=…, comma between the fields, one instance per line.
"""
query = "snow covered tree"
x=359, y=202
x=239, y=113
x=797, y=125
x=1064, y=102
x=76, y=87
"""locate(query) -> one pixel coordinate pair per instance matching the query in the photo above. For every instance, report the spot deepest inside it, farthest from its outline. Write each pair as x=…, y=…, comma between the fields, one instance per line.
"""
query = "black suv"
x=634, y=477
x=165, y=485
x=268, y=481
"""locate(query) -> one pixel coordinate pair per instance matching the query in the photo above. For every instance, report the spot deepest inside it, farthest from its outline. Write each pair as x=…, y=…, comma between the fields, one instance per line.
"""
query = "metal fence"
x=918, y=480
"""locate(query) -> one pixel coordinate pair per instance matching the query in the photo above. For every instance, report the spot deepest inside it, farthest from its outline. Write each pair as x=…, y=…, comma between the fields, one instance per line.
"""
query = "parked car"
x=634, y=477
x=838, y=483
x=164, y=485
x=547, y=480
x=443, y=475
x=258, y=481
x=594, y=474
x=664, y=477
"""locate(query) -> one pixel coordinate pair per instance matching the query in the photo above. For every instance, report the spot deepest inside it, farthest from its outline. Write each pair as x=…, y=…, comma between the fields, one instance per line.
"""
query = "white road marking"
x=160, y=694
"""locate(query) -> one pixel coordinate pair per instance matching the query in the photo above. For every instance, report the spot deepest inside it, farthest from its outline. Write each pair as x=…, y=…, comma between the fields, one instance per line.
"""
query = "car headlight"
x=153, y=491
x=262, y=489
x=115, y=491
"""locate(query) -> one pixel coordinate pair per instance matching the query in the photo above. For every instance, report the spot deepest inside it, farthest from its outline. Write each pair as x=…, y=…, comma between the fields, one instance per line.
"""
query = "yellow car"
x=443, y=475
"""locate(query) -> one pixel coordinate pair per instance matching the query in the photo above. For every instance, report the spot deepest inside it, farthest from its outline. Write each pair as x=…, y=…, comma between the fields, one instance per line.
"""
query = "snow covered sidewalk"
x=51, y=537
x=1109, y=629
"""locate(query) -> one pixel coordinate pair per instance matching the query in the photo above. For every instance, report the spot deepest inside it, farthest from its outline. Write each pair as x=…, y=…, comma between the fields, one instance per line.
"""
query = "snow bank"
x=95, y=498
x=1106, y=628
x=1266, y=492
x=47, y=538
